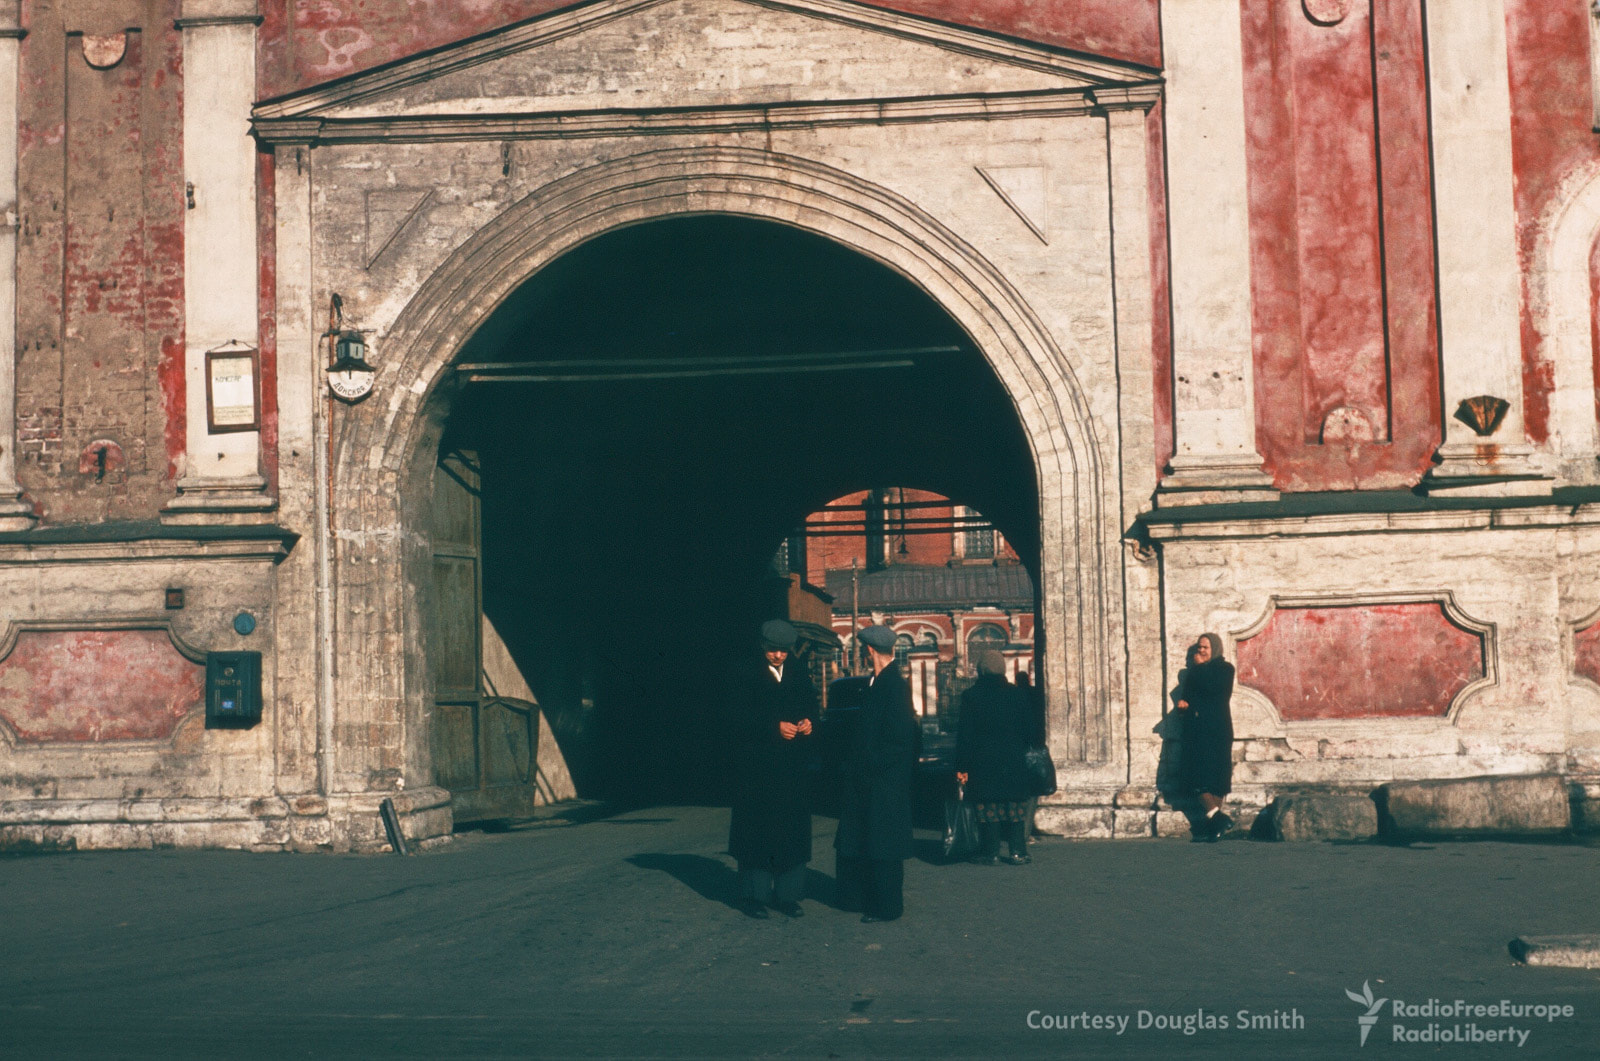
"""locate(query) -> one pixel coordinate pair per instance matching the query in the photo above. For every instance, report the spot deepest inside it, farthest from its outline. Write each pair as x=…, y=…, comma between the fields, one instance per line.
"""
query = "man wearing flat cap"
x=874, y=837
x=770, y=832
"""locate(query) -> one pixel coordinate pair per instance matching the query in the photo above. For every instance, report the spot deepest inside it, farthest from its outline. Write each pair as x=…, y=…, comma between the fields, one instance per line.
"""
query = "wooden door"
x=484, y=745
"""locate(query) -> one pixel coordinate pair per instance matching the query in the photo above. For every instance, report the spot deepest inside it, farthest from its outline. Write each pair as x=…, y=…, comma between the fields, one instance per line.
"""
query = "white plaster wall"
x=1507, y=577
x=126, y=792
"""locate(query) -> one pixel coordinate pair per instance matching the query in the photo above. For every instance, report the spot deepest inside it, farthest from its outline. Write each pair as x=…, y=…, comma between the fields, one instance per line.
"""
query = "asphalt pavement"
x=589, y=934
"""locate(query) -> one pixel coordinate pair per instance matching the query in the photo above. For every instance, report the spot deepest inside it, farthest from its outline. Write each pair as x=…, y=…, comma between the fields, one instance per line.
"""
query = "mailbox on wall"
x=233, y=689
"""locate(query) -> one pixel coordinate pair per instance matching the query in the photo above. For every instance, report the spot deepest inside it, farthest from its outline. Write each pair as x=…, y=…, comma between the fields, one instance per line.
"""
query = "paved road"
x=614, y=938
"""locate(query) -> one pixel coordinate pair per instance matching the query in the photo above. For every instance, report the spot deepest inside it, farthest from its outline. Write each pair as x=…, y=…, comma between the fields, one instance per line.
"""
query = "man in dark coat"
x=874, y=837
x=770, y=831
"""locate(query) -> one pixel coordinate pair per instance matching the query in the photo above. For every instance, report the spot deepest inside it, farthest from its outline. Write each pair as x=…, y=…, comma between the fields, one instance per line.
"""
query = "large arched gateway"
x=428, y=193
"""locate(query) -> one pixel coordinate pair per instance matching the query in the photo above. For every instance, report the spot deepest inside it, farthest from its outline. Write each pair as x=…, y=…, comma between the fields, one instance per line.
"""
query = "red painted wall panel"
x=1552, y=141
x=1365, y=661
x=1160, y=290
x=97, y=685
x=1586, y=653
x=1341, y=245
x=100, y=259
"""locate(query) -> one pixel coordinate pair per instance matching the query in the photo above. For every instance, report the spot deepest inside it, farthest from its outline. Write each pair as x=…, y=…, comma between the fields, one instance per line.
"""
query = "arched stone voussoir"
x=387, y=437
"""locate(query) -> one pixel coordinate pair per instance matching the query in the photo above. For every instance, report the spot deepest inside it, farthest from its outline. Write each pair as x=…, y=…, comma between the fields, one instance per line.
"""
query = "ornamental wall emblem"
x=1326, y=12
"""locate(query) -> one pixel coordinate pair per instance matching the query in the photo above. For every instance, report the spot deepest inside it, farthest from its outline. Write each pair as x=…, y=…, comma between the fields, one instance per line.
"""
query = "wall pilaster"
x=15, y=512
x=221, y=476
x=1480, y=340
x=1214, y=422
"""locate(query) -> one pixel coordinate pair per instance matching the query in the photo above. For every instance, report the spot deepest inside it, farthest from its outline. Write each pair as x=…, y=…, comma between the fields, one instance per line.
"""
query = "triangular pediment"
x=660, y=55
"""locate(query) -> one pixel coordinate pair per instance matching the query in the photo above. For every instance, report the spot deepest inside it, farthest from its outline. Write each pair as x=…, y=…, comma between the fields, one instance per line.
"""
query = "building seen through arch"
x=938, y=573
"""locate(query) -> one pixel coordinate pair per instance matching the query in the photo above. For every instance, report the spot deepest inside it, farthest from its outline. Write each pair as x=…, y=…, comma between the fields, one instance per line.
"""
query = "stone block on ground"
x=1133, y=822
x=1172, y=823
x=1585, y=807
x=1317, y=816
x=1571, y=952
x=1530, y=805
x=1080, y=823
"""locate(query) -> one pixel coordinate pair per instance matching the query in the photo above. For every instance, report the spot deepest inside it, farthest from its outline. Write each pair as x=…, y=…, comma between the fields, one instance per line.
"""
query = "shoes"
x=751, y=908
x=985, y=860
x=790, y=909
x=1220, y=823
x=1204, y=837
x=1015, y=859
x=873, y=919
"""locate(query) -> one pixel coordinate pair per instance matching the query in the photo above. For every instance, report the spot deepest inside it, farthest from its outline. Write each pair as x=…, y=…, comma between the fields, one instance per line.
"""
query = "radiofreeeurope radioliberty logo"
x=1456, y=1020
x=1370, y=1017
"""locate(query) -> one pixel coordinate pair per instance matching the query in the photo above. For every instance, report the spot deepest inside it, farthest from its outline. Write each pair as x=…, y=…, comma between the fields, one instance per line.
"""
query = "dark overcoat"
x=771, y=824
x=878, y=772
x=1206, y=755
x=992, y=739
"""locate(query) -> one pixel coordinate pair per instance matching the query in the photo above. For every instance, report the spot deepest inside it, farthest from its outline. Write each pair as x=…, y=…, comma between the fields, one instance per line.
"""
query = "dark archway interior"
x=629, y=523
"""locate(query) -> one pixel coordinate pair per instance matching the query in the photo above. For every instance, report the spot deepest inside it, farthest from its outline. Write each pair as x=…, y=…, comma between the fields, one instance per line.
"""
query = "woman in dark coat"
x=1207, y=755
x=991, y=742
x=770, y=831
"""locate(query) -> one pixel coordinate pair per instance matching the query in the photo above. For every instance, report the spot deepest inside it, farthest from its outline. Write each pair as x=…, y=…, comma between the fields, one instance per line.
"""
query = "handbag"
x=1041, y=771
x=960, y=826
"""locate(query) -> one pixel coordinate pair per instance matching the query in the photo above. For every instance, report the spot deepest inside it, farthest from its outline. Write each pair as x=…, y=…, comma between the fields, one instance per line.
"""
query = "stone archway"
x=384, y=452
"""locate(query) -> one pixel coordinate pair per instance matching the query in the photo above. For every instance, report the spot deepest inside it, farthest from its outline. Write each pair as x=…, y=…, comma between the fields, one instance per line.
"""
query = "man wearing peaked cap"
x=874, y=837
x=769, y=834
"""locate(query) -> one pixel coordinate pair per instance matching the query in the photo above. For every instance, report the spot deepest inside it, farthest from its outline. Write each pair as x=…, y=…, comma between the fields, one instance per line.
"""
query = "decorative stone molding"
x=1586, y=649
x=1413, y=614
x=1564, y=314
x=142, y=697
x=424, y=129
x=549, y=29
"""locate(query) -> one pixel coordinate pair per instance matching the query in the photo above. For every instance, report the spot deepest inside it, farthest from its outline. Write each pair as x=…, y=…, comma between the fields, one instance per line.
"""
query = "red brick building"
x=938, y=573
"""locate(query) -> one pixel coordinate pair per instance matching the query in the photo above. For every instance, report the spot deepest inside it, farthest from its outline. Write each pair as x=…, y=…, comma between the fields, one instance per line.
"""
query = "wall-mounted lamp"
x=349, y=376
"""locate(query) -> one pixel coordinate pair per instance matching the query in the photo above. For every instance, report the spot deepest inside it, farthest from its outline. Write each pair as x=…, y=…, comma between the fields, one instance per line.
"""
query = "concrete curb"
x=1571, y=952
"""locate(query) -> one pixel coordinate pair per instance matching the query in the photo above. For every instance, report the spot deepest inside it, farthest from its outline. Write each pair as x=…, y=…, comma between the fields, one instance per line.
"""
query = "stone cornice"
x=1377, y=512
x=1050, y=103
x=133, y=542
x=209, y=21
x=1139, y=97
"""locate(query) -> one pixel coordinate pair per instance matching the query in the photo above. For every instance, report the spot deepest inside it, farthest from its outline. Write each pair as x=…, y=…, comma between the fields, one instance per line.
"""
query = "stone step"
x=1536, y=805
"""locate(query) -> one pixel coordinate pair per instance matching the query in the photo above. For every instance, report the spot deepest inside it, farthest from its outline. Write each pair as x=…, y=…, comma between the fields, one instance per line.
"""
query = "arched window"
x=928, y=639
x=902, y=648
x=974, y=544
x=984, y=637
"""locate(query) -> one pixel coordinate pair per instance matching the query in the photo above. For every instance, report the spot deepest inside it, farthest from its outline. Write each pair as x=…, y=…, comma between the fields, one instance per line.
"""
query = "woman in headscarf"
x=1207, y=755
x=992, y=738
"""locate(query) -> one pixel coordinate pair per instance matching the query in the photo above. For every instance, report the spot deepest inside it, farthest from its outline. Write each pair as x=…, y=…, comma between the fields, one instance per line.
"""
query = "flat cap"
x=878, y=637
x=778, y=636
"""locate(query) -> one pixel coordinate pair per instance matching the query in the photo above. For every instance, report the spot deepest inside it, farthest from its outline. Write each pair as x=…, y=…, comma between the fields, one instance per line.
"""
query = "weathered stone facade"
x=1224, y=434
